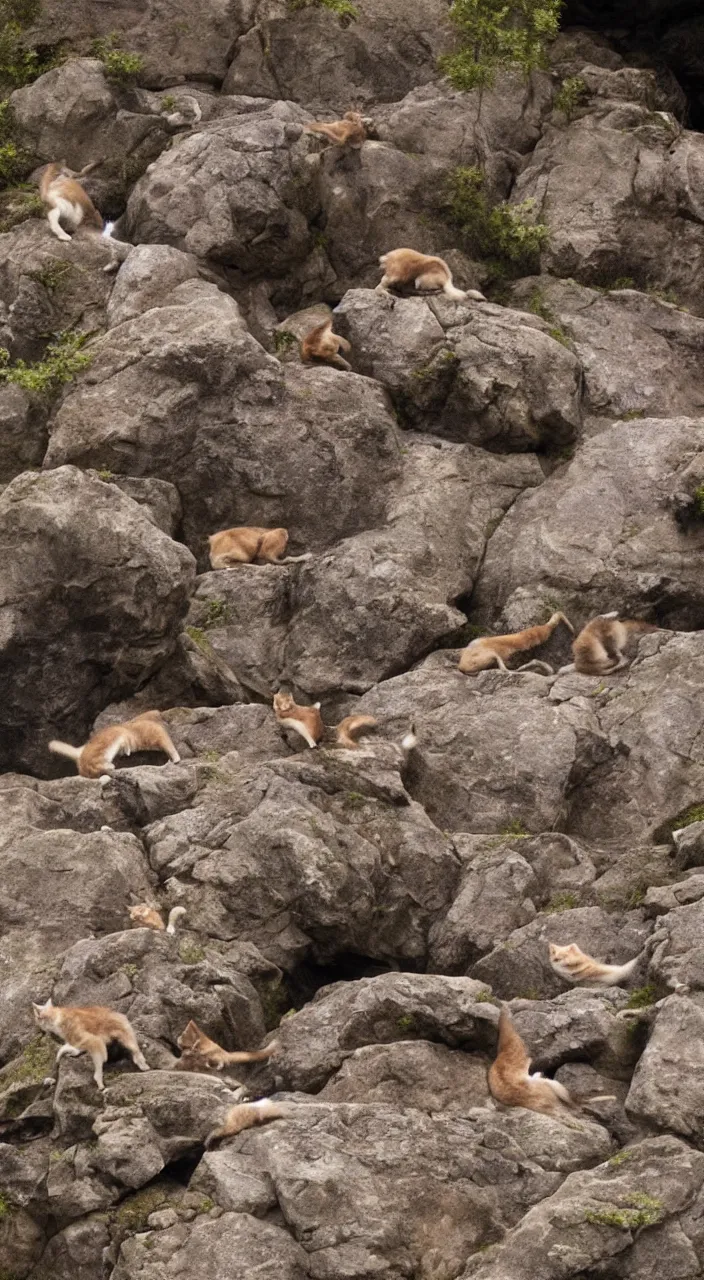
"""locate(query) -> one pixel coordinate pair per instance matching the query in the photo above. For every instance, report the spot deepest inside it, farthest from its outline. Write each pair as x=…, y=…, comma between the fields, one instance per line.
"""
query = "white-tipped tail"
x=65, y=749
x=409, y=741
x=174, y=915
x=108, y=229
x=458, y=295
x=620, y=972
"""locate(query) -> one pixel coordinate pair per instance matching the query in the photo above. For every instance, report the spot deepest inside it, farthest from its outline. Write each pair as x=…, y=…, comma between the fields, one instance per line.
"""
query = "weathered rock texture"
x=483, y=465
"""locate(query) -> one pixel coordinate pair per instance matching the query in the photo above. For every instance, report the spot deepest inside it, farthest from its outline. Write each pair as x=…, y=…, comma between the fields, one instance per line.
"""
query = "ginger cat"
x=351, y=728
x=147, y=732
x=146, y=917
x=576, y=966
x=322, y=344
x=245, y=544
x=487, y=650
x=511, y=1083
x=405, y=266
x=89, y=1029
x=306, y=721
x=598, y=649
x=245, y=1116
x=64, y=198
x=349, y=130
x=200, y=1052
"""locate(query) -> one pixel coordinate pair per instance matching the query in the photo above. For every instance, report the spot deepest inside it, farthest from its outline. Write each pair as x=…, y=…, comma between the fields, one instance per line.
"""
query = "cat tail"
x=351, y=728
x=245, y=1116
x=174, y=915
x=624, y=970
x=65, y=749
x=255, y=1055
x=512, y=1050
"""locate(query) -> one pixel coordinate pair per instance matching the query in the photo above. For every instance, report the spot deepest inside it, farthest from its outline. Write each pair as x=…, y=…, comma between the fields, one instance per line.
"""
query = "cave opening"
x=308, y=977
x=663, y=33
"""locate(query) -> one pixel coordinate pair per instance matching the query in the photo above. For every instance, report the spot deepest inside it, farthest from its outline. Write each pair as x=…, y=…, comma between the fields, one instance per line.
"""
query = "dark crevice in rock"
x=665, y=34
x=309, y=978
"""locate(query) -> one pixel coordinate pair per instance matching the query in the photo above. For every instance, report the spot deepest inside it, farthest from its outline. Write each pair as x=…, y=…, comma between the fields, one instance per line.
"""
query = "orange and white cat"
x=599, y=647
x=146, y=917
x=349, y=130
x=406, y=266
x=349, y=730
x=246, y=1116
x=147, y=732
x=487, y=650
x=306, y=721
x=576, y=966
x=89, y=1029
x=246, y=543
x=200, y=1052
x=511, y=1083
x=66, y=202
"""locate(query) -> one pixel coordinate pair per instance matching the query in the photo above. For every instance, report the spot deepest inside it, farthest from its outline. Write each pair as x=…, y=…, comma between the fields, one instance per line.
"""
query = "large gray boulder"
x=378, y=57
x=472, y=372
x=92, y=596
x=601, y=534
x=668, y=1084
x=75, y=114
x=345, y=1175
x=238, y=191
x=176, y=43
x=244, y=439
x=377, y=872
x=605, y=1215
x=50, y=286
x=618, y=189
x=391, y=1008
x=640, y=355
x=380, y=600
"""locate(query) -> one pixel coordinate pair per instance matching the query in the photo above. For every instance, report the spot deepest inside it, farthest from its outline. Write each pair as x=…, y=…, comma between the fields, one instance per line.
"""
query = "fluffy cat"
x=89, y=1029
x=576, y=966
x=246, y=1116
x=147, y=732
x=200, y=1053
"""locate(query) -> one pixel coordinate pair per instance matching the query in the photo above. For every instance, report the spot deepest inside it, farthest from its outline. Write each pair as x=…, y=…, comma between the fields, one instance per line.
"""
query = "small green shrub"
x=342, y=9
x=5, y=1206
x=515, y=828
x=570, y=96
x=105, y=474
x=561, y=902
x=120, y=66
x=16, y=205
x=621, y=1157
x=191, y=953
x=405, y=1023
x=506, y=233
x=53, y=274
x=63, y=360
x=642, y=997
x=217, y=614
x=699, y=500
x=19, y=64
x=495, y=34
x=283, y=341
x=132, y=1214
x=168, y=103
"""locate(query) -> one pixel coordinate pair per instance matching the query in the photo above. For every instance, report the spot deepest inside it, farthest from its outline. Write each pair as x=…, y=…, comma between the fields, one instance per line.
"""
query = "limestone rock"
x=113, y=622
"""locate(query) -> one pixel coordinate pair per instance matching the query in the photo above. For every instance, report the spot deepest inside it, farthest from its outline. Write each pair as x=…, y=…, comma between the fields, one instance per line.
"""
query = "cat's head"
x=141, y=914
x=191, y=1037
x=44, y=1014
x=559, y=954
x=283, y=703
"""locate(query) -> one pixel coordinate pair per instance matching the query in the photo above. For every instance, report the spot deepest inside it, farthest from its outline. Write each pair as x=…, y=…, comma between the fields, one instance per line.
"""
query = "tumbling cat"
x=200, y=1052
x=147, y=732
x=576, y=966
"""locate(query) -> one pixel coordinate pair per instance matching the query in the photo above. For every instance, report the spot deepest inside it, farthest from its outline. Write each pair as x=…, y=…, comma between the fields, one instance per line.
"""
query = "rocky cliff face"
x=482, y=466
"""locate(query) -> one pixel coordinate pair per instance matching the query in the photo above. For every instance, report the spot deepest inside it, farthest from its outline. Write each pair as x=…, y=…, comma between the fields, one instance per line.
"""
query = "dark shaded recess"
x=668, y=33
x=308, y=978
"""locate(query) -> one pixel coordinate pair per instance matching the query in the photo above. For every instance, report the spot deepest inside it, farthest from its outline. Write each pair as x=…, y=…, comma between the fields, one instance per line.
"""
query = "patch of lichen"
x=34, y=1063
x=132, y=1213
x=639, y=1210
